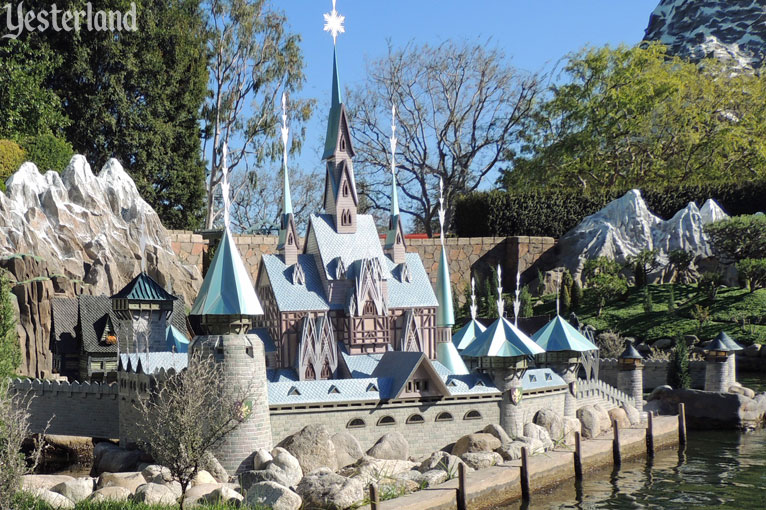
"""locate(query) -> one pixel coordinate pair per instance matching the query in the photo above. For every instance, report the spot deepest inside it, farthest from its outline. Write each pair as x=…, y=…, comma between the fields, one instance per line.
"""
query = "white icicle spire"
x=333, y=23
x=393, y=139
x=441, y=209
x=516, y=301
x=558, y=295
x=285, y=130
x=142, y=241
x=474, y=308
x=225, y=184
x=500, y=302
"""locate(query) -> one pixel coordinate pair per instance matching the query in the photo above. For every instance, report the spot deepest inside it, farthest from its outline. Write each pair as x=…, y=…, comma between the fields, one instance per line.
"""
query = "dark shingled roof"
x=144, y=288
x=64, y=327
x=94, y=311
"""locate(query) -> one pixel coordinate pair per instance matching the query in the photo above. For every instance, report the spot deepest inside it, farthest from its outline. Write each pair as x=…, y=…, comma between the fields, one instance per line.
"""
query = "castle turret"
x=223, y=313
x=630, y=378
x=288, y=236
x=147, y=306
x=395, y=246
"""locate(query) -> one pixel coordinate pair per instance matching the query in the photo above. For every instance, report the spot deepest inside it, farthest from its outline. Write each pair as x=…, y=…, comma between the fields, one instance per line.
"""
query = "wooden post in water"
x=374, y=497
x=682, y=424
x=578, y=457
x=524, y=474
x=462, y=499
x=616, y=453
x=650, y=436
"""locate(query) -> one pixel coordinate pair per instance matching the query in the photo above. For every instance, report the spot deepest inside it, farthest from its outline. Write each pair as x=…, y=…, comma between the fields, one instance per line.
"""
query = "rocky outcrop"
x=391, y=446
x=325, y=489
x=626, y=226
x=313, y=447
x=85, y=233
x=733, y=31
x=274, y=496
x=710, y=410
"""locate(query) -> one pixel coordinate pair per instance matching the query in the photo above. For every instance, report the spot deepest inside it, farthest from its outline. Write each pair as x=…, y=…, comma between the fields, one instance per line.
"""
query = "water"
x=719, y=469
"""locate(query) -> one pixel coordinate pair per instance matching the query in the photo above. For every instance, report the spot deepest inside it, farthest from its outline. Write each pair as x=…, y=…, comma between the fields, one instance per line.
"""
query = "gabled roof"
x=361, y=365
x=287, y=392
x=400, y=367
x=559, y=335
x=465, y=384
x=539, y=378
x=448, y=356
x=415, y=293
x=292, y=297
x=504, y=340
x=467, y=334
x=144, y=288
x=227, y=289
x=175, y=340
x=94, y=312
x=65, y=313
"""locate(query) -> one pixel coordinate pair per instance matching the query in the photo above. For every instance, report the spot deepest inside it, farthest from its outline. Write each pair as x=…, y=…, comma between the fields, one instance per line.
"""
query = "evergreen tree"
x=671, y=299
x=10, y=353
x=678, y=372
x=526, y=302
x=576, y=296
x=566, y=301
x=648, y=304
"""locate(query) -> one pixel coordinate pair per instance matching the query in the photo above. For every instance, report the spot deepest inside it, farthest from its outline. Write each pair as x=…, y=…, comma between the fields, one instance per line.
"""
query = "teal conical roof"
x=502, y=340
x=559, y=335
x=333, y=120
x=447, y=355
x=144, y=288
x=728, y=341
x=227, y=289
x=445, y=316
x=175, y=340
x=467, y=334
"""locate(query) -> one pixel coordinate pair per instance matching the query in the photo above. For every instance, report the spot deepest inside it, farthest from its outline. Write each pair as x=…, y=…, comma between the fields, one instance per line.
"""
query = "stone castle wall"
x=479, y=255
x=70, y=409
x=655, y=373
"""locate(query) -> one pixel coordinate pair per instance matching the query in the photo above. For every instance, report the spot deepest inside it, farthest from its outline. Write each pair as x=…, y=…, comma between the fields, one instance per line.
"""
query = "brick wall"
x=655, y=373
x=478, y=254
x=74, y=409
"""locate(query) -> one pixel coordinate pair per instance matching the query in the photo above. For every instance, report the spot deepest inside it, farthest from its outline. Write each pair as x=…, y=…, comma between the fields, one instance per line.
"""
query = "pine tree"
x=671, y=299
x=10, y=353
x=576, y=296
x=566, y=301
x=678, y=372
x=648, y=304
x=526, y=302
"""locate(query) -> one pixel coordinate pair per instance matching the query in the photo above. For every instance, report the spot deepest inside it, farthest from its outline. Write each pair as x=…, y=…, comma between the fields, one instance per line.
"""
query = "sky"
x=535, y=34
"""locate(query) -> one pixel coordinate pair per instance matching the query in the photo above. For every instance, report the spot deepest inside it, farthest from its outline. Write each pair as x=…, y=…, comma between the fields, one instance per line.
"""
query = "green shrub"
x=671, y=300
x=739, y=238
x=753, y=273
x=648, y=304
x=576, y=296
x=11, y=158
x=526, y=302
x=47, y=152
x=678, y=373
x=605, y=288
x=708, y=285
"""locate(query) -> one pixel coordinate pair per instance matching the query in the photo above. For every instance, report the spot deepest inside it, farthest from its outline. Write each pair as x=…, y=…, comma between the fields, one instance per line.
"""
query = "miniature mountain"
x=733, y=31
x=89, y=228
x=626, y=226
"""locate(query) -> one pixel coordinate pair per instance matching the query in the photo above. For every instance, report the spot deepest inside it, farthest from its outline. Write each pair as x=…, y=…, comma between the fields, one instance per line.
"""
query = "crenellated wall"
x=70, y=409
x=655, y=373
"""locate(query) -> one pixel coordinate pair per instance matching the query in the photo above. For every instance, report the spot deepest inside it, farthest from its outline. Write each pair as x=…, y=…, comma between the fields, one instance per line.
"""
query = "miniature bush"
x=576, y=296
x=526, y=302
x=610, y=344
x=11, y=158
x=678, y=372
x=671, y=300
x=648, y=304
x=753, y=273
x=739, y=238
x=10, y=352
x=48, y=152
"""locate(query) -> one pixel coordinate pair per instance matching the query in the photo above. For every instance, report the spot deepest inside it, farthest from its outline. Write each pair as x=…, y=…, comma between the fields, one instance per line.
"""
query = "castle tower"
x=717, y=366
x=147, y=306
x=630, y=378
x=222, y=314
x=395, y=246
x=731, y=360
x=288, y=236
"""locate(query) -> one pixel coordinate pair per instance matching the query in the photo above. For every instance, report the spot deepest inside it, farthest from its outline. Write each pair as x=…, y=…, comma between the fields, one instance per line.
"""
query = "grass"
x=736, y=311
x=28, y=502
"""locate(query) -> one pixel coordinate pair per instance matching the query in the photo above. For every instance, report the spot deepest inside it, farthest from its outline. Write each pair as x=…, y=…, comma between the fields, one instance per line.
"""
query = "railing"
x=600, y=389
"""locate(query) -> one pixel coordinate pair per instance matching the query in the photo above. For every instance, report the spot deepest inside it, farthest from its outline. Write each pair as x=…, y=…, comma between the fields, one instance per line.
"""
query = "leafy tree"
x=459, y=106
x=253, y=58
x=643, y=263
x=137, y=96
x=708, y=284
x=753, y=273
x=27, y=107
x=606, y=287
x=10, y=352
x=679, y=262
x=48, y=152
x=566, y=300
x=11, y=158
x=599, y=266
x=627, y=117
x=678, y=373
x=738, y=238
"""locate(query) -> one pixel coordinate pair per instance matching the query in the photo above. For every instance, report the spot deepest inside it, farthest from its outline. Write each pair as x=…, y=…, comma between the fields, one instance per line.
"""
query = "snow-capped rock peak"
x=711, y=211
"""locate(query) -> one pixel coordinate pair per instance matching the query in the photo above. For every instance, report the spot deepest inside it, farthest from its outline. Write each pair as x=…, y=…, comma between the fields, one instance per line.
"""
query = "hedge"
x=47, y=152
x=11, y=158
x=555, y=212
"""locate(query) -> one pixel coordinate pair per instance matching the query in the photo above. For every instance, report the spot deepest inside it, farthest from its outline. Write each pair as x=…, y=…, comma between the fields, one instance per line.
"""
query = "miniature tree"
x=642, y=263
x=671, y=299
x=10, y=353
x=187, y=416
x=648, y=304
x=576, y=295
x=678, y=372
x=525, y=297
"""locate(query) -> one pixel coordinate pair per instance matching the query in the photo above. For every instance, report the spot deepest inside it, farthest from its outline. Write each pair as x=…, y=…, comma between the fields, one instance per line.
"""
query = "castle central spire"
x=288, y=235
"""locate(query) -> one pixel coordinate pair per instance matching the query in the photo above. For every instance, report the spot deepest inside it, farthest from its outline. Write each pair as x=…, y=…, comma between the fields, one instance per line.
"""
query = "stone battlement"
x=43, y=386
x=655, y=372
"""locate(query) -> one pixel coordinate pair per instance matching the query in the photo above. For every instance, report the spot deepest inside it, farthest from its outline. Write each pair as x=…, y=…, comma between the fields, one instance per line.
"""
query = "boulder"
x=658, y=392
x=110, y=458
x=261, y=457
x=287, y=464
x=397, y=486
x=325, y=489
x=313, y=447
x=741, y=390
x=75, y=490
x=603, y=416
x=512, y=451
x=619, y=415
x=571, y=425
x=434, y=477
x=222, y=496
x=632, y=413
x=130, y=481
x=481, y=442
x=590, y=421
x=663, y=343
x=196, y=493
x=391, y=446
x=498, y=432
x=155, y=494
x=274, y=496
x=203, y=478
x=347, y=449
x=481, y=460
x=371, y=470
x=212, y=466
x=31, y=482
x=537, y=432
x=552, y=422
x=156, y=474
x=54, y=500
x=110, y=494
x=441, y=460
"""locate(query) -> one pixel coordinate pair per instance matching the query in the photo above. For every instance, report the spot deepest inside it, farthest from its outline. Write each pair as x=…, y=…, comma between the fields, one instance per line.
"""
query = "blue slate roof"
x=370, y=389
x=292, y=297
x=467, y=334
x=264, y=336
x=153, y=362
x=144, y=288
x=465, y=384
x=540, y=378
x=416, y=292
x=559, y=335
x=281, y=375
x=503, y=340
x=728, y=341
x=448, y=356
x=400, y=366
x=361, y=365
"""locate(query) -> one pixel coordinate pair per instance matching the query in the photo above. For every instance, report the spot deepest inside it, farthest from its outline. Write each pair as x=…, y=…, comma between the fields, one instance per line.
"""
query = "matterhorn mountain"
x=626, y=226
x=733, y=31
x=93, y=228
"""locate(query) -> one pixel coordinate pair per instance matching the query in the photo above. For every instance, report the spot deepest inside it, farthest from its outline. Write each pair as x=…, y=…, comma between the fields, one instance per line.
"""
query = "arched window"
x=343, y=144
x=415, y=419
x=356, y=423
x=444, y=417
x=290, y=239
x=369, y=308
x=310, y=374
x=472, y=415
x=345, y=217
x=345, y=188
x=326, y=372
x=386, y=420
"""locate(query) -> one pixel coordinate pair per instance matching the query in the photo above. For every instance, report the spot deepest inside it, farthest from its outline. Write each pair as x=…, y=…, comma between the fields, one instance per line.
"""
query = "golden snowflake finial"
x=333, y=23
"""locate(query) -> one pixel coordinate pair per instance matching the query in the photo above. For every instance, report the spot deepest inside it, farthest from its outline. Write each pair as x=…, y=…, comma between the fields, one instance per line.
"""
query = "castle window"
x=345, y=188
x=345, y=217
x=421, y=385
x=326, y=371
x=249, y=351
x=472, y=415
x=415, y=419
x=410, y=387
x=343, y=144
x=356, y=423
x=310, y=374
x=290, y=239
x=369, y=308
x=444, y=417
x=386, y=420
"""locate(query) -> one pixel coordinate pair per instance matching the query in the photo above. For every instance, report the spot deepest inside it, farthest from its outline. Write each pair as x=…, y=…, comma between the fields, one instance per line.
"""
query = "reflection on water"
x=722, y=470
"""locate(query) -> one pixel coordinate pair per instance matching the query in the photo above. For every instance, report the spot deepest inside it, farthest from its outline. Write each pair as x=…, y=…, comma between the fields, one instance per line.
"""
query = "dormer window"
x=345, y=217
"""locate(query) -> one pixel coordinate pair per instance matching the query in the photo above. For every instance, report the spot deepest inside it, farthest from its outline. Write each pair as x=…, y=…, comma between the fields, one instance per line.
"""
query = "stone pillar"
x=731, y=370
x=511, y=418
x=630, y=380
x=568, y=372
x=716, y=377
x=244, y=367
